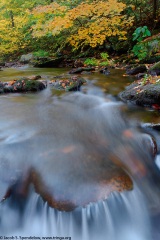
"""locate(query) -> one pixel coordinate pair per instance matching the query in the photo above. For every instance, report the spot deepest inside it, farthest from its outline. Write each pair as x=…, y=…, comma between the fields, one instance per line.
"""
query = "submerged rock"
x=72, y=194
x=75, y=150
x=68, y=199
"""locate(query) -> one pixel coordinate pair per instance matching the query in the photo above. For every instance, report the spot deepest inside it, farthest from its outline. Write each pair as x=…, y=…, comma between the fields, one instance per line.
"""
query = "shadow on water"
x=73, y=166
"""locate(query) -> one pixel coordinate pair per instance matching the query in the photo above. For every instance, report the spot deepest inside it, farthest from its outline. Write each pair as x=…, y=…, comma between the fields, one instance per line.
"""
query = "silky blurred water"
x=71, y=139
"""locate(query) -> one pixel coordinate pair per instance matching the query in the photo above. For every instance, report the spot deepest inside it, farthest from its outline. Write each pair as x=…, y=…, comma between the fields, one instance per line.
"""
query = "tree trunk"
x=155, y=3
x=12, y=19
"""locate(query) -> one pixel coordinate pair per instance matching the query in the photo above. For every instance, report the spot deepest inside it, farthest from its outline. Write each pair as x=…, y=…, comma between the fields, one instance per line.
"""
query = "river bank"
x=146, y=74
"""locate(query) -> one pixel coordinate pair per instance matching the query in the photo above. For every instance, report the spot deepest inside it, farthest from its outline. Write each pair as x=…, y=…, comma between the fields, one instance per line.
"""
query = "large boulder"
x=77, y=155
x=26, y=58
x=47, y=62
x=136, y=70
x=142, y=94
x=155, y=69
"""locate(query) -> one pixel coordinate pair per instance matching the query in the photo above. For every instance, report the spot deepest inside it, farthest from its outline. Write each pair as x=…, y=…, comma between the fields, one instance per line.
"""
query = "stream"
x=77, y=165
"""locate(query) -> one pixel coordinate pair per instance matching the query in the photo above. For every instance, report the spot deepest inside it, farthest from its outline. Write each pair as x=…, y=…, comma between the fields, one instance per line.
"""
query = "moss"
x=155, y=66
x=31, y=85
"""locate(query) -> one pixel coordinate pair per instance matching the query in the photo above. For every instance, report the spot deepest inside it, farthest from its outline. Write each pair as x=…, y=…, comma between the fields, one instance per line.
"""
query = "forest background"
x=75, y=28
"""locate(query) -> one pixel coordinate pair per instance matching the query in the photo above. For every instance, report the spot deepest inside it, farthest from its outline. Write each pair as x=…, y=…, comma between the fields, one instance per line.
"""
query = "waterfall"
x=122, y=216
x=71, y=148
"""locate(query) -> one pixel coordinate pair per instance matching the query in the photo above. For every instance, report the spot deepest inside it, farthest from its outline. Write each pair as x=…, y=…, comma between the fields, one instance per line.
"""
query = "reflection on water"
x=74, y=150
x=10, y=73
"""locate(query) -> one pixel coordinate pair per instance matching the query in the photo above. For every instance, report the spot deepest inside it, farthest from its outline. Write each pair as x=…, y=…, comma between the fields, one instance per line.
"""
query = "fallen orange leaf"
x=68, y=149
x=128, y=133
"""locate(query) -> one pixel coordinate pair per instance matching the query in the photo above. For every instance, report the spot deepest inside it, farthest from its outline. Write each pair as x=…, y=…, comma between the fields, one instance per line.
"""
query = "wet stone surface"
x=25, y=84
x=142, y=94
x=63, y=148
x=67, y=83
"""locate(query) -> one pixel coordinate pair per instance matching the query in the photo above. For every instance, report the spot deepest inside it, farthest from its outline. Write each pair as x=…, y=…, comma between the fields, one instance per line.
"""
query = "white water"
x=31, y=126
x=123, y=216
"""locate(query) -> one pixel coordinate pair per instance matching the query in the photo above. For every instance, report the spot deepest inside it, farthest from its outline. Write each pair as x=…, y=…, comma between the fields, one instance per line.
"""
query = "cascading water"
x=70, y=150
x=121, y=216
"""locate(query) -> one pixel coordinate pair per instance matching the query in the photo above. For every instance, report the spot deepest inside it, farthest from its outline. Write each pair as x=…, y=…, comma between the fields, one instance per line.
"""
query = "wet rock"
x=154, y=72
x=47, y=62
x=78, y=154
x=26, y=58
x=68, y=83
x=36, y=77
x=152, y=126
x=156, y=66
x=105, y=71
x=2, y=64
x=137, y=70
x=81, y=69
x=70, y=197
x=149, y=142
x=78, y=63
x=22, y=85
x=153, y=59
x=119, y=182
x=155, y=69
x=1, y=87
x=140, y=75
x=13, y=64
x=142, y=95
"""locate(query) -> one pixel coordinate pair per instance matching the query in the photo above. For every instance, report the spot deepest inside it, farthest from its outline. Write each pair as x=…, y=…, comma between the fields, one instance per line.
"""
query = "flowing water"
x=73, y=146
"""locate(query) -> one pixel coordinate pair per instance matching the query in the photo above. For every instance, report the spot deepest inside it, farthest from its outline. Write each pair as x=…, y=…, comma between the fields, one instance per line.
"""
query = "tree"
x=87, y=24
x=15, y=32
x=145, y=12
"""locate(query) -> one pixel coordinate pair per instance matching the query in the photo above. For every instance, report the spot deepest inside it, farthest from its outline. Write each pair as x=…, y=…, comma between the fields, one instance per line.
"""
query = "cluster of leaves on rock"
x=76, y=25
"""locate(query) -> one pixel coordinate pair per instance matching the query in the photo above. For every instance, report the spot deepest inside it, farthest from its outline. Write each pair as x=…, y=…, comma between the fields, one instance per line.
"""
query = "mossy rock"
x=22, y=85
x=142, y=94
x=153, y=59
x=68, y=83
x=47, y=62
x=137, y=69
x=156, y=66
x=81, y=69
x=26, y=58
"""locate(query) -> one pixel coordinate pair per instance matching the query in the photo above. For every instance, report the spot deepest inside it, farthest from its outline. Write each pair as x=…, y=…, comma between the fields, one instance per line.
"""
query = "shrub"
x=91, y=62
x=41, y=53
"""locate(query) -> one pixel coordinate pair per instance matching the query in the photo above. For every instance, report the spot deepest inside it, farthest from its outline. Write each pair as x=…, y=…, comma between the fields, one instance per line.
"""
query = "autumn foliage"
x=88, y=24
x=78, y=25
